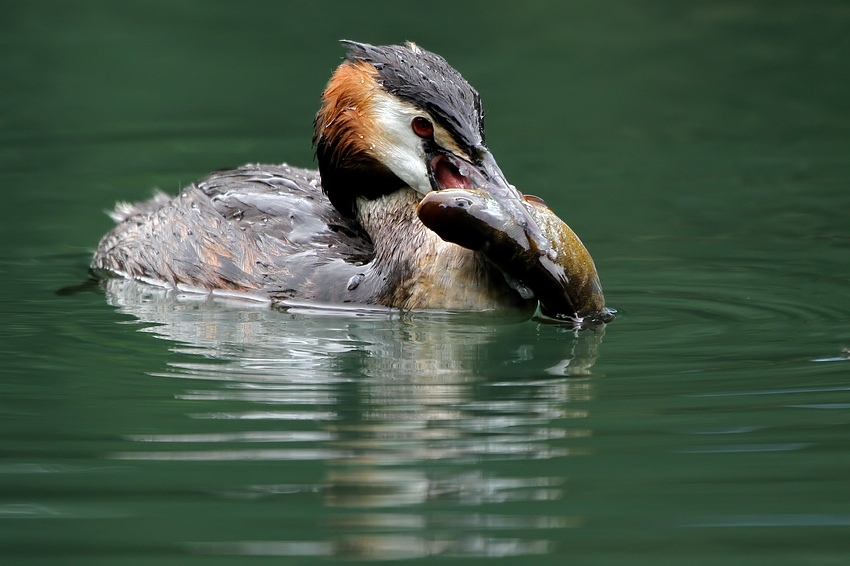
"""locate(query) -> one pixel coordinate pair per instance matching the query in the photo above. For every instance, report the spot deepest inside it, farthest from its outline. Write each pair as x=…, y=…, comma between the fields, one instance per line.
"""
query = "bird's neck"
x=420, y=269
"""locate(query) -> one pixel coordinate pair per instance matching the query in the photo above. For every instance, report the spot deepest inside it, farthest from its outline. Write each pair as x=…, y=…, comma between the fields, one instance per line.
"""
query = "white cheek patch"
x=395, y=144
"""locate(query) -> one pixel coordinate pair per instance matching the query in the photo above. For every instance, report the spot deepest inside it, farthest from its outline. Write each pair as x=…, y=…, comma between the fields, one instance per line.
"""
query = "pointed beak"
x=450, y=171
x=513, y=201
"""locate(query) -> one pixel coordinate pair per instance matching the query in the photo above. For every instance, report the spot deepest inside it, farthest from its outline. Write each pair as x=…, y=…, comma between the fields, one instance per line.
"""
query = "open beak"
x=474, y=206
x=449, y=171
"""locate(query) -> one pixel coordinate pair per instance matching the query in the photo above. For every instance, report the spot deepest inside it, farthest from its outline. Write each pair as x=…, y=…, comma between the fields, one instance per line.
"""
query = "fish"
x=561, y=276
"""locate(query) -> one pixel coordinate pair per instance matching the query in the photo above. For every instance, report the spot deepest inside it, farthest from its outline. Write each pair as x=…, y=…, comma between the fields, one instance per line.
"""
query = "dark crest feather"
x=427, y=81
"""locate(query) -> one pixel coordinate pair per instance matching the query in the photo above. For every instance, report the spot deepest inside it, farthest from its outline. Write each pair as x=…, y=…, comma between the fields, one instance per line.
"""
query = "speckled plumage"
x=256, y=228
x=269, y=231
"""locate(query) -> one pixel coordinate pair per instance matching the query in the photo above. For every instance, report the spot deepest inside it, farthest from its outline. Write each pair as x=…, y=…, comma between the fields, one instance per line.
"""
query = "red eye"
x=423, y=127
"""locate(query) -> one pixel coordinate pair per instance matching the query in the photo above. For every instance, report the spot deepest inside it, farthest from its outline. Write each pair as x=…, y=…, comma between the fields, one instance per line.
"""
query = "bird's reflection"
x=412, y=416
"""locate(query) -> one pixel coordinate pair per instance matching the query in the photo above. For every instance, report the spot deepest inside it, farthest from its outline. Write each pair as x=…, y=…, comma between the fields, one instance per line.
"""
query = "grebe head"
x=400, y=116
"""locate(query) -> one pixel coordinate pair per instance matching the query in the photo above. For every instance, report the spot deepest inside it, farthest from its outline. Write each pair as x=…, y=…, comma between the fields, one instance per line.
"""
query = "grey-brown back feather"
x=256, y=228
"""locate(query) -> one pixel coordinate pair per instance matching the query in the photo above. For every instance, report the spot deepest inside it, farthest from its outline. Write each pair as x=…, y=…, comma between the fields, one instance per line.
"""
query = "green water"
x=700, y=149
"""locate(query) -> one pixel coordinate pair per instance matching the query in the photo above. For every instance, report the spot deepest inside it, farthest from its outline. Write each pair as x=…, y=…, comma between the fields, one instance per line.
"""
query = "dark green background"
x=700, y=149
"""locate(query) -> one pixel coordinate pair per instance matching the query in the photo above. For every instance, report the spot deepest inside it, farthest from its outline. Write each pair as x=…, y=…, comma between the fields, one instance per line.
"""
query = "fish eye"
x=423, y=127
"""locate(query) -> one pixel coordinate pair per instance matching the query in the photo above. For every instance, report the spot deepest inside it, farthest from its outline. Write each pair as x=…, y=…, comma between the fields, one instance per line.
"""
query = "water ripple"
x=270, y=455
x=380, y=546
x=747, y=448
x=395, y=411
x=769, y=520
x=18, y=511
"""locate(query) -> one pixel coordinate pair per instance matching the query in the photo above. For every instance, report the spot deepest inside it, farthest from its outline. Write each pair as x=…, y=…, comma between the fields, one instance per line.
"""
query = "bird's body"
x=396, y=123
x=270, y=231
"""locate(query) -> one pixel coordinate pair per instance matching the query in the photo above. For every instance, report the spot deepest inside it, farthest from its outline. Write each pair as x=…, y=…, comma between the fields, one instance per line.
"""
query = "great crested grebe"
x=408, y=210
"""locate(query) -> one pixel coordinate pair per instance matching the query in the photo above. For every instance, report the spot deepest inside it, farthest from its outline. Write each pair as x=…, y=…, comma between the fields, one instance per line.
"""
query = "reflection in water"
x=396, y=409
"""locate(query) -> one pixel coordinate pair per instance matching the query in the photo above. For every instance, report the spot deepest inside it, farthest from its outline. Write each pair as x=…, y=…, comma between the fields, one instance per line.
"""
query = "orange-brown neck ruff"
x=343, y=145
x=345, y=110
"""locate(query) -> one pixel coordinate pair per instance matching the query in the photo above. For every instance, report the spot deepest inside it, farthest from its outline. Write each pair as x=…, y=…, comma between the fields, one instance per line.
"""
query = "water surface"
x=699, y=149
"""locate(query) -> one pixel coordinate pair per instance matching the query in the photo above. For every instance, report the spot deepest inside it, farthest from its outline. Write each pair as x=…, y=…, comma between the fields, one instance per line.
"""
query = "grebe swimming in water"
x=408, y=210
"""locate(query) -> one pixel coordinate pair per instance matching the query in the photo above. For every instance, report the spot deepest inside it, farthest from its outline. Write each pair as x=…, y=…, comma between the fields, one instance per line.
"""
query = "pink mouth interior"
x=448, y=176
